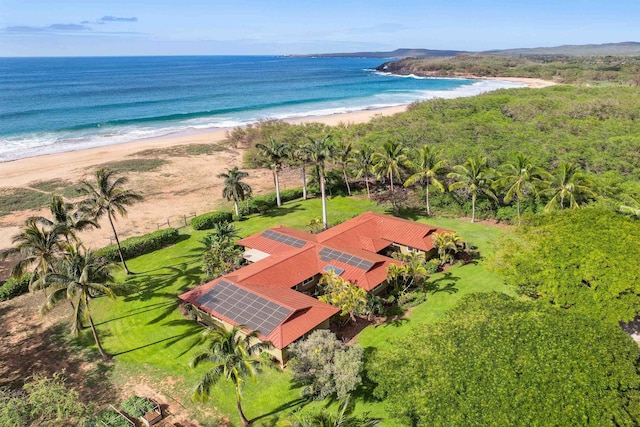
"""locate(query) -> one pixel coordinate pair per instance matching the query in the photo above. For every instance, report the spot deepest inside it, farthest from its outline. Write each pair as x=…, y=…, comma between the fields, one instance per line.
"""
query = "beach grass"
x=132, y=165
x=60, y=187
x=152, y=342
x=184, y=150
x=22, y=199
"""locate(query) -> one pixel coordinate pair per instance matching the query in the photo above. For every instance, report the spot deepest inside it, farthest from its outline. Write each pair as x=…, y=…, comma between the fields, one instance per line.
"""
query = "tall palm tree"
x=342, y=156
x=234, y=189
x=567, y=185
x=108, y=196
x=66, y=219
x=274, y=153
x=320, y=149
x=76, y=277
x=520, y=178
x=232, y=354
x=363, y=161
x=427, y=167
x=474, y=176
x=302, y=155
x=37, y=247
x=389, y=162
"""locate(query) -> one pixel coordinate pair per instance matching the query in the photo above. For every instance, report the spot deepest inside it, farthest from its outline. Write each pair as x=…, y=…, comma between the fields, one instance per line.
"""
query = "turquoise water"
x=59, y=104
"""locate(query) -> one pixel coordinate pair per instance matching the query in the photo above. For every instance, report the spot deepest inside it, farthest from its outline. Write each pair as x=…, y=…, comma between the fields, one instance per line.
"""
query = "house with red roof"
x=272, y=294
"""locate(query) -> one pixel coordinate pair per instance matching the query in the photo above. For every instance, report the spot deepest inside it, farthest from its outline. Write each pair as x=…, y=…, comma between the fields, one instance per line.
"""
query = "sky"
x=280, y=27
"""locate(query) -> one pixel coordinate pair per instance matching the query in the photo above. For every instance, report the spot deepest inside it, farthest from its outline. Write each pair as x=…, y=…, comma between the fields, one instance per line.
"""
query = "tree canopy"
x=499, y=361
x=585, y=260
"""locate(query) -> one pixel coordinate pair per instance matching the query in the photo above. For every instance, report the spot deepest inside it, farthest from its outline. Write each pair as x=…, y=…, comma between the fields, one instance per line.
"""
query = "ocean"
x=50, y=105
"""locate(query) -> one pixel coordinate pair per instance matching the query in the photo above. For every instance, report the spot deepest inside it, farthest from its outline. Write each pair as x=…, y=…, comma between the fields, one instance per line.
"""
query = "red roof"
x=292, y=263
x=379, y=231
x=306, y=312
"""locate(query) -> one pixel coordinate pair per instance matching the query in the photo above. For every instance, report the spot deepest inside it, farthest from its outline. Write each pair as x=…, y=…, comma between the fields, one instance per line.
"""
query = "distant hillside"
x=568, y=69
x=605, y=49
x=398, y=53
x=614, y=49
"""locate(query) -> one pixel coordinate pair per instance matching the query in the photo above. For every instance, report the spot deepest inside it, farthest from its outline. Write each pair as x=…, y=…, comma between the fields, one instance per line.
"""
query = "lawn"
x=152, y=342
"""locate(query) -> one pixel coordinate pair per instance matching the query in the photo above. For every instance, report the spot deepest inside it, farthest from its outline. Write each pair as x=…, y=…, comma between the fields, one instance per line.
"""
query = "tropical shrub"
x=140, y=245
x=14, y=287
x=137, y=406
x=582, y=260
x=209, y=220
x=326, y=366
x=496, y=360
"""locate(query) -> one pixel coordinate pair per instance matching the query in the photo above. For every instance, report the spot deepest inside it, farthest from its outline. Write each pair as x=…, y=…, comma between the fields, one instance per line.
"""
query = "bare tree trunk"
x=366, y=181
x=105, y=356
x=473, y=207
x=393, y=196
x=428, y=207
x=245, y=421
x=275, y=177
x=518, y=210
x=346, y=180
x=235, y=204
x=304, y=182
x=124, y=264
x=323, y=192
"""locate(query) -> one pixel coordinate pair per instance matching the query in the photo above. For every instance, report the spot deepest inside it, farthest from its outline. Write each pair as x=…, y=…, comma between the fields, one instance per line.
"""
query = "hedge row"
x=14, y=287
x=260, y=204
x=140, y=245
x=209, y=220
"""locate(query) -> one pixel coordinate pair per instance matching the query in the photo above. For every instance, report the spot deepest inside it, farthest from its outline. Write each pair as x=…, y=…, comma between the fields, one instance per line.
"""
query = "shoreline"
x=183, y=184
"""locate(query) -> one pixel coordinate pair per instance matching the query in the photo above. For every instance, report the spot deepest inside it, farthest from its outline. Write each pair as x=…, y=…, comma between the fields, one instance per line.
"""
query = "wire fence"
x=177, y=221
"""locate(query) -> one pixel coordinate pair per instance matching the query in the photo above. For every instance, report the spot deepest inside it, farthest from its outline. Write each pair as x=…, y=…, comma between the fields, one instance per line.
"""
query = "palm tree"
x=232, y=354
x=342, y=418
x=363, y=161
x=427, y=167
x=109, y=196
x=66, y=220
x=302, y=157
x=76, y=277
x=567, y=184
x=320, y=149
x=448, y=245
x=474, y=176
x=37, y=247
x=389, y=161
x=520, y=178
x=342, y=155
x=234, y=189
x=274, y=154
x=633, y=208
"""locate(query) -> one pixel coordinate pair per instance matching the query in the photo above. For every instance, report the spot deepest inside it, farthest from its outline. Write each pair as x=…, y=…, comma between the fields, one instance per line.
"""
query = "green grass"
x=182, y=150
x=132, y=165
x=20, y=199
x=152, y=341
x=56, y=186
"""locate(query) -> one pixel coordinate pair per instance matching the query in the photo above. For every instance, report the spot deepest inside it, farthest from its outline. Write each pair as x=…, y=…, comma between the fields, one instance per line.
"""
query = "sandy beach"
x=181, y=186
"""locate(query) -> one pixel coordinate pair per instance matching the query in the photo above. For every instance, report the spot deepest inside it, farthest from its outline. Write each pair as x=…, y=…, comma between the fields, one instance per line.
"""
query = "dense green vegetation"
x=563, y=69
x=585, y=260
x=209, y=220
x=14, y=287
x=498, y=361
x=140, y=245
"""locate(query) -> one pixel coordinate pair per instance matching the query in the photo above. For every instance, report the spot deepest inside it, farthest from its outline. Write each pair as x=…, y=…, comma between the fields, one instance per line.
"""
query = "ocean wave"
x=123, y=131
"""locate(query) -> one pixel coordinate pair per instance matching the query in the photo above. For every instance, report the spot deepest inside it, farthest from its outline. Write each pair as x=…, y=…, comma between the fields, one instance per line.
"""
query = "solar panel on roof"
x=244, y=307
x=327, y=254
x=283, y=238
x=335, y=269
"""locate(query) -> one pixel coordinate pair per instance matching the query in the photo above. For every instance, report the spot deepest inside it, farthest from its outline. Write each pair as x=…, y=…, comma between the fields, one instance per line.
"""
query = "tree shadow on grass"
x=281, y=211
x=169, y=305
x=148, y=285
x=290, y=405
x=446, y=283
x=364, y=393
